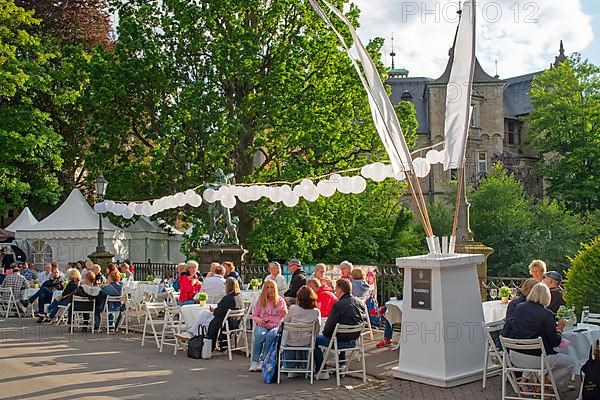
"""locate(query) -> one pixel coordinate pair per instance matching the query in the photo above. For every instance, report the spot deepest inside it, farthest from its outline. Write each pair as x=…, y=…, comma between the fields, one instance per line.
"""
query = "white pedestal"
x=441, y=346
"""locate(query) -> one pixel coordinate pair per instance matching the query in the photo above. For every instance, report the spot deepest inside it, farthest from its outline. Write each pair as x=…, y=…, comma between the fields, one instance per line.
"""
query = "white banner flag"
x=458, y=91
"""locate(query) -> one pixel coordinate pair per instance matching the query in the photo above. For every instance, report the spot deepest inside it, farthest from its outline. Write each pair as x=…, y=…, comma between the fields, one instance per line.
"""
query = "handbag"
x=591, y=379
x=207, y=349
x=196, y=344
x=271, y=361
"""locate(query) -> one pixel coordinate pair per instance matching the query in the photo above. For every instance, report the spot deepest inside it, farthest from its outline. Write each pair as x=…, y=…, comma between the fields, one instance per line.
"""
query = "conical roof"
x=23, y=221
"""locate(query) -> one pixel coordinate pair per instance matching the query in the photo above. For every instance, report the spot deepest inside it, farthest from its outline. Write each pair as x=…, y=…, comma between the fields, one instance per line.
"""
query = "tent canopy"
x=74, y=219
x=24, y=220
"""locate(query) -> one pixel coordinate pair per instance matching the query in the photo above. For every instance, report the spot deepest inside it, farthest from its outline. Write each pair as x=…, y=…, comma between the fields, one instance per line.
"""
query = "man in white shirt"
x=214, y=286
x=275, y=270
x=45, y=274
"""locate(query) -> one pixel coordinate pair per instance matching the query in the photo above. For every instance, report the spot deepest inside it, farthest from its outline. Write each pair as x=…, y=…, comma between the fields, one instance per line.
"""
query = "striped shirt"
x=17, y=283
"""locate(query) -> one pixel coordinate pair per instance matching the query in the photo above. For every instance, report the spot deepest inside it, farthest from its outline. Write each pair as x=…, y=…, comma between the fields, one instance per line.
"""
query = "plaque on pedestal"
x=441, y=337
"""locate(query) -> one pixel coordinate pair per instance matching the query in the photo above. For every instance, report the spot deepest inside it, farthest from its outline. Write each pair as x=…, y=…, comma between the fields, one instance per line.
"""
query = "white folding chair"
x=173, y=323
x=62, y=314
x=492, y=354
x=357, y=351
x=152, y=321
x=368, y=327
x=538, y=375
x=82, y=307
x=234, y=333
x=215, y=298
x=309, y=362
x=249, y=324
x=111, y=316
x=7, y=302
x=591, y=318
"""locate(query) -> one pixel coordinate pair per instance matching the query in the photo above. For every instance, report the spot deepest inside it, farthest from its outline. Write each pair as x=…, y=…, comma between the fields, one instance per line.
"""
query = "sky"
x=523, y=36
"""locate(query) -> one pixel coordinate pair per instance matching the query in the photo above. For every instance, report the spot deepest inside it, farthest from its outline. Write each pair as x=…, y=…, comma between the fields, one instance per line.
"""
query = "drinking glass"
x=513, y=292
x=585, y=314
x=493, y=293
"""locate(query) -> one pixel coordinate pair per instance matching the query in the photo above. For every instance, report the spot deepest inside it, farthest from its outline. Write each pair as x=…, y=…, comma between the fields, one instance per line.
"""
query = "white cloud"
x=522, y=35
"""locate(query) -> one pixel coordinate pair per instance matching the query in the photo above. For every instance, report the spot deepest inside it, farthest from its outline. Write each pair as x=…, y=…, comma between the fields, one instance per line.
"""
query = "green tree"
x=581, y=287
x=565, y=128
x=29, y=146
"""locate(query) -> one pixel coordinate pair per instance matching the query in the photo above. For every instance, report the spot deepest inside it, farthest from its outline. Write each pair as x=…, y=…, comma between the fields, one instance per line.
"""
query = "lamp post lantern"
x=100, y=185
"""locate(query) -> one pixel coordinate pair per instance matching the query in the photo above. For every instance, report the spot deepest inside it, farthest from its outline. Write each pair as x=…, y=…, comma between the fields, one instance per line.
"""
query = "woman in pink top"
x=268, y=312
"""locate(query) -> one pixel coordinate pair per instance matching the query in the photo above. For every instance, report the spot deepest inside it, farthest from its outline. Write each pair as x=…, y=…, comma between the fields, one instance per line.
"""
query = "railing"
x=158, y=270
x=493, y=282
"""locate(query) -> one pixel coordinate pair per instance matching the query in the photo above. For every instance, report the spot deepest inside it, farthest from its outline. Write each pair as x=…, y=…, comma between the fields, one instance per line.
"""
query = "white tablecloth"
x=250, y=296
x=142, y=288
x=494, y=311
x=27, y=293
x=581, y=342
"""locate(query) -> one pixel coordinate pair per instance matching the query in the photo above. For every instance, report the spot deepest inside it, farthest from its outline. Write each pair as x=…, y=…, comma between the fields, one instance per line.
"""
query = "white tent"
x=153, y=240
x=70, y=233
x=23, y=221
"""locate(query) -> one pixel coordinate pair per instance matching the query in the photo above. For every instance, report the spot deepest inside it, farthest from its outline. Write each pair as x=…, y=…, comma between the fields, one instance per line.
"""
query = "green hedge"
x=582, y=287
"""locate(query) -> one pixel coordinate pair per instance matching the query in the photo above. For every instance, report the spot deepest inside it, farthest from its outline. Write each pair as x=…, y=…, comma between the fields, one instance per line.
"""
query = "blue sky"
x=522, y=36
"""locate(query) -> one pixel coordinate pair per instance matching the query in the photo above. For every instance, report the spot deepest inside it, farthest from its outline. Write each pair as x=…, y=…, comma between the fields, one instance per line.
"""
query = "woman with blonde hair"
x=268, y=312
x=319, y=273
x=74, y=277
x=537, y=269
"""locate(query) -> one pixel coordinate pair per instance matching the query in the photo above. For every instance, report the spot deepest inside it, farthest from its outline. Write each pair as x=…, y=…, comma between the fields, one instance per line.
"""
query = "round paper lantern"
x=433, y=156
x=344, y=185
x=290, y=199
x=109, y=205
x=100, y=208
x=195, y=201
x=298, y=190
x=335, y=178
x=228, y=202
x=128, y=213
x=259, y=191
x=389, y=171
x=326, y=188
x=422, y=167
x=275, y=194
x=378, y=172
x=358, y=184
x=137, y=210
x=132, y=205
x=180, y=200
x=311, y=193
x=209, y=195
x=146, y=209
x=366, y=171
x=400, y=176
x=119, y=209
x=443, y=156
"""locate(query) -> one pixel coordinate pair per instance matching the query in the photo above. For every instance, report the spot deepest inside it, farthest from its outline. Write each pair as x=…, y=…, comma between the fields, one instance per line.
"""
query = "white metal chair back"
x=83, y=313
x=153, y=321
x=7, y=302
x=368, y=327
x=173, y=324
x=492, y=354
x=592, y=318
x=307, y=364
x=234, y=335
x=358, y=351
x=215, y=298
x=544, y=371
x=110, y=317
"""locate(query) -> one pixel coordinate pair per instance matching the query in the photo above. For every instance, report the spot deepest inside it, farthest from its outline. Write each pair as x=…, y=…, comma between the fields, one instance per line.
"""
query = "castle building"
x=498, y=131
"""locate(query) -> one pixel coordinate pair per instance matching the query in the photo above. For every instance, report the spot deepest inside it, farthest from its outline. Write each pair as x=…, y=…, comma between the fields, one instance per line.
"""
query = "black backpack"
x=591, y=381
x=196, y=343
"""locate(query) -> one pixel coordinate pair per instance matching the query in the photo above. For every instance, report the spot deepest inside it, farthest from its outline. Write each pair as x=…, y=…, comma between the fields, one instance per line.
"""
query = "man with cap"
x=552, y=279
x=298, y=280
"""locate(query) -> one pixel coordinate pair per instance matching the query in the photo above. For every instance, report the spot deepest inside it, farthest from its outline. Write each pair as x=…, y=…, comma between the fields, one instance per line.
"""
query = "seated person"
x=537, y=269
x=46, y=273
x=74, y=277
x=44, y=295
x=124, y=271
x=214, y=286
x=319, y=273
x=268, y=312
x=180, y=270
x=345, y=270
x=230, y=272
x=211, y=271
x=360, y=287
x=100, y=279
x=28, y=271
x=325, y=298
x=552, y=279
x=91, y=291
x=305, y=311
x=532, y=319
x=189, y=284
x=348, y=310
x=113, y=288
x=524, y=289
x=275, y=275
x=298, y=280
x=17, y=283
x=212, y=319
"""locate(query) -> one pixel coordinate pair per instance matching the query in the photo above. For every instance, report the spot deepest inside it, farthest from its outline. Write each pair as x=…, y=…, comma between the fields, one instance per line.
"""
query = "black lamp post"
x=100, y=185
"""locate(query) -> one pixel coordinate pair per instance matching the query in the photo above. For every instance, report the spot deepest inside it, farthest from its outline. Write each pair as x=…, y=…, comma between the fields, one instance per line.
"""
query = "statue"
x=220, y=215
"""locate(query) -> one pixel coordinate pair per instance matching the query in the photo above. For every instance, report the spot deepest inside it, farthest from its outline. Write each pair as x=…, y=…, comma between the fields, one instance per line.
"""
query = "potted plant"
x=504, y=293
x=568, y=315
x=254, y=283
x=36, y=283
x=202, y=297
x=150, y=278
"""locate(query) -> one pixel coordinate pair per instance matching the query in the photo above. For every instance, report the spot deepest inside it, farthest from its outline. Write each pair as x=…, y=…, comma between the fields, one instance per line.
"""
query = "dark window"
x=453, y=174
x=511, y=132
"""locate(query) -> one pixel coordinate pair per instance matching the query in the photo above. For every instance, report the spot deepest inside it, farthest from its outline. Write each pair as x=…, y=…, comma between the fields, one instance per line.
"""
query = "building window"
x=511, y=132
x=475, y=116
x=42, y=252
x=481, y=164
x=453, y=174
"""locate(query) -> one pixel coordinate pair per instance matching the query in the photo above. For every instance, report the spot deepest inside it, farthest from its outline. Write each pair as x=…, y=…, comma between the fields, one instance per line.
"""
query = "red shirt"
x=186, y=289
x=326, y=300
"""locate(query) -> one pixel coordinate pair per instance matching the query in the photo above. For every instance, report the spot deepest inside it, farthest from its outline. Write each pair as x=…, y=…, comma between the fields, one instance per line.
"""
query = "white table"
x=250, y=296
x=393, y=312
x=145, y=288
x=27, y=293
x=494, y=310
x=580, y=342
